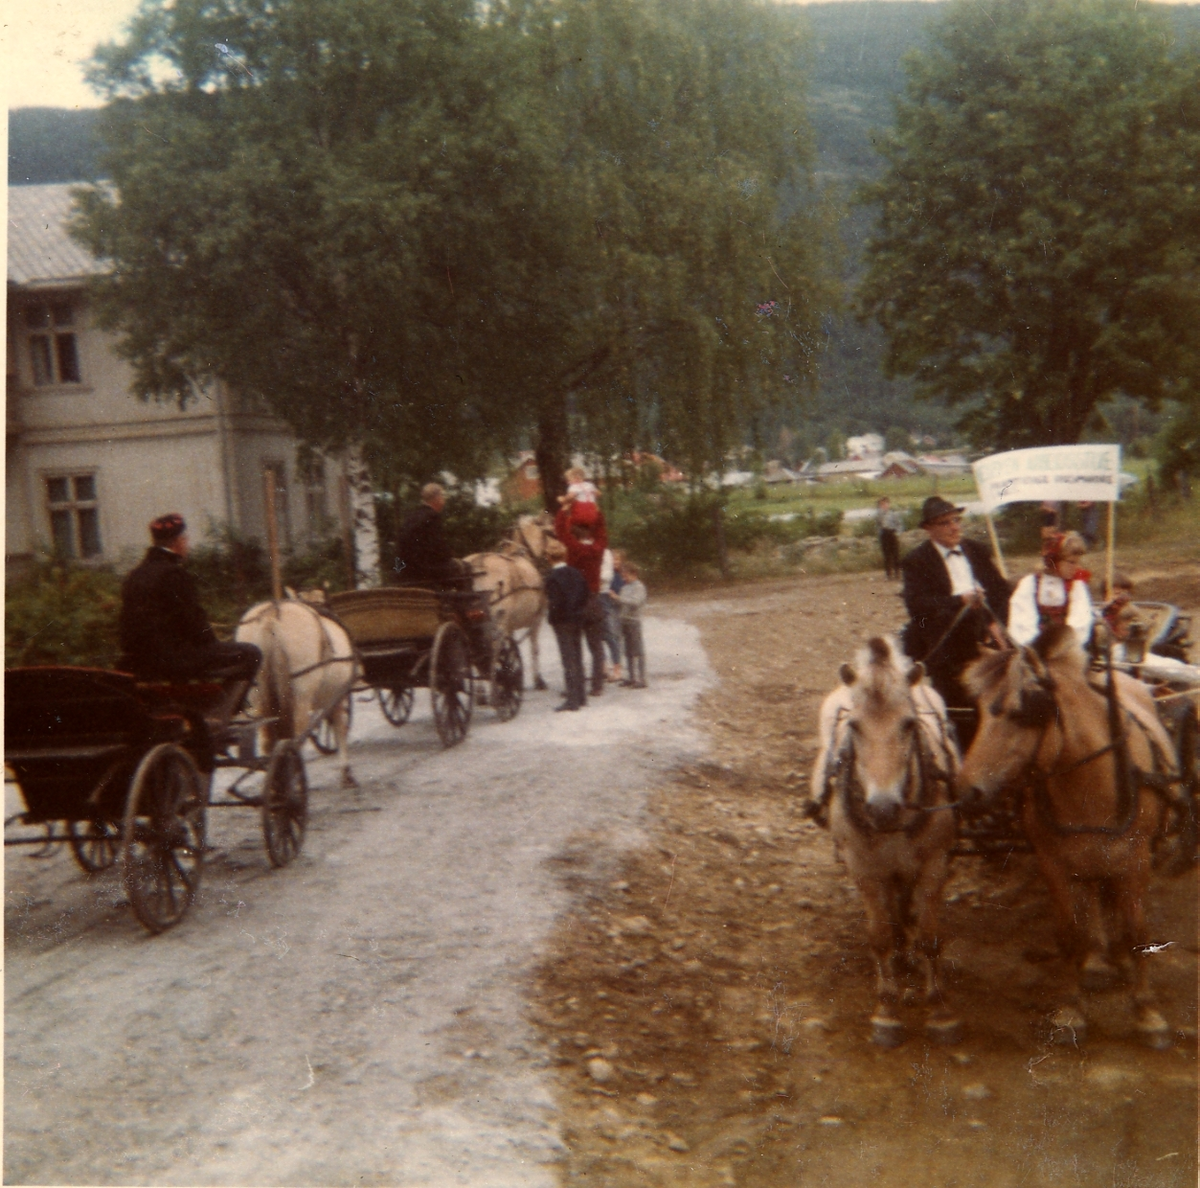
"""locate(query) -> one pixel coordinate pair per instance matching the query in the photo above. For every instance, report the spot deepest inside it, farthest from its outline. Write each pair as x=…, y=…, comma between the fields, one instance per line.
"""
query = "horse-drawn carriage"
x=443, y=640
x=126, y=768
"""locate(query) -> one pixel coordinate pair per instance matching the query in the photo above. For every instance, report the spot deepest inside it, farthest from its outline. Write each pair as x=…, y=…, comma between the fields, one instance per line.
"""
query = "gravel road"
x=359, y=1016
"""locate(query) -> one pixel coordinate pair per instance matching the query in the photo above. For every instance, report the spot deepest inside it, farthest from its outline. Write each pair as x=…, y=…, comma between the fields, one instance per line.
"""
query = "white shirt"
x=962, y=576
x=1024, y=621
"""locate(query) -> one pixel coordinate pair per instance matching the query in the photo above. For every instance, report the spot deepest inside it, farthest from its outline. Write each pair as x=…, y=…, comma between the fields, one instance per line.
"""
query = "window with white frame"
x=53, y=348
x=316, y=508
x=74, y=515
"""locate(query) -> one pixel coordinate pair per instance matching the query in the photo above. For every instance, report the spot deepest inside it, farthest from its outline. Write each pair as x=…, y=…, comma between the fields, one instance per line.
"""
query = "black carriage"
x=443, y=640
x=125, y=768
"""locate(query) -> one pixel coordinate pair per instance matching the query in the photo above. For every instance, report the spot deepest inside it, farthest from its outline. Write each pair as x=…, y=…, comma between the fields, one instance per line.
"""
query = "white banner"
x=1071, y=473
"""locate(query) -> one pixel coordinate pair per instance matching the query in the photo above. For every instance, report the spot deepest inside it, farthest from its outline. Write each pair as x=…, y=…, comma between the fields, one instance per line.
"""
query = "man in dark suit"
x=567, y=599
x=956, y=600
x=165, y=634
x=423, y=555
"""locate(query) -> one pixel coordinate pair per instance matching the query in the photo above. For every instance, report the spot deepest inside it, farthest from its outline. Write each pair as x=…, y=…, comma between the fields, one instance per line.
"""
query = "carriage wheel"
x=450, y=685
x=1188, y=746
x=325, y=737
x=285, y=803
x=396, y=703
x=95, y=844
x=508, y=680
x=163, y=832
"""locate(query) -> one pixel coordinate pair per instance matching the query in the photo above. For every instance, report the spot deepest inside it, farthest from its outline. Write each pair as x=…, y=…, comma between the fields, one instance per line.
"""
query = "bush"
x=61, y=614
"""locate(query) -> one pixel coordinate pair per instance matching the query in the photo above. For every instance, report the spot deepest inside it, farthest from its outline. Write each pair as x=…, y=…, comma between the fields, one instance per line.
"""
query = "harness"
x=1130, y=779
x=922, y=771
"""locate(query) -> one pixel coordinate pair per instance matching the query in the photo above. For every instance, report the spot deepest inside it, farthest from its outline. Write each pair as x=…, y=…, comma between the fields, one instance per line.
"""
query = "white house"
x=89, y=464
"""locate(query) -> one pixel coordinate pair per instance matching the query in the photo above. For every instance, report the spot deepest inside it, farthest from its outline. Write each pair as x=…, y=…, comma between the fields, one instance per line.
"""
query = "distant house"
x=944, y=464
x=523, y=482
x=865, y=445
x=88, y=464
x=851, y=468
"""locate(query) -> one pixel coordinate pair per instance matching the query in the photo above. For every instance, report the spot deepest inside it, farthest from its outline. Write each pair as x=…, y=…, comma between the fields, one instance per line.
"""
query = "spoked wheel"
x=95, y=844
x=508, y=680
x=285, y=803
x=325, y=737
x=1187, y=742
x=163, y=837
x=396, y=703
x=450, y=685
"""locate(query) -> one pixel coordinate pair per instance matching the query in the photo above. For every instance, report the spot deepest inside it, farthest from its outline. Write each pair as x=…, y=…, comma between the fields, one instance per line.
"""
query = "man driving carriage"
x=956, y=600
x=423, y=555
x=165, y=633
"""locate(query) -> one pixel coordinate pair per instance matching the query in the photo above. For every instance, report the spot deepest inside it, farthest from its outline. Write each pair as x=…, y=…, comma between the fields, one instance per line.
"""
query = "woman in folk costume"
x=1058, y=593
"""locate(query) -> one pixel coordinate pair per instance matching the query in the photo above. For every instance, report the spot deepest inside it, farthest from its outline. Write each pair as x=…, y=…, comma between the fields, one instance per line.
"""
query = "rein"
x=1129, y=778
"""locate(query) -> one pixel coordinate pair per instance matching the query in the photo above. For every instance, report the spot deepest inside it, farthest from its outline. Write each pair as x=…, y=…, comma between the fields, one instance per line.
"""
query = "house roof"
x=40, y=252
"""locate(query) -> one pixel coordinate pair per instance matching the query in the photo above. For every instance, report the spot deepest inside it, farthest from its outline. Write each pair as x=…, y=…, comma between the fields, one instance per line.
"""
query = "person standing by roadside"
x=611, y=581
x=567, y=598
x=632, y=599
x=585, y=546
x=890, y=524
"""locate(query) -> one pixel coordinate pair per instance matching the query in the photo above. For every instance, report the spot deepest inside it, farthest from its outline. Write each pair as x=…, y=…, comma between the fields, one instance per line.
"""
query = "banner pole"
x=1108, y=567
x=991, y=527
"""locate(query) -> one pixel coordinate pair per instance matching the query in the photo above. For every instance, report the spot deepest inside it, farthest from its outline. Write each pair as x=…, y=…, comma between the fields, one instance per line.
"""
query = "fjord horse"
x=512, y=579
x=308, y=665
x=891, y=762
x=1092, y=768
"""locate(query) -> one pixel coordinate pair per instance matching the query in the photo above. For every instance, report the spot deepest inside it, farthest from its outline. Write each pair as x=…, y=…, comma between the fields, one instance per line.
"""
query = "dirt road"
x=360, y=1016
x=723, y=981
x=605, y=950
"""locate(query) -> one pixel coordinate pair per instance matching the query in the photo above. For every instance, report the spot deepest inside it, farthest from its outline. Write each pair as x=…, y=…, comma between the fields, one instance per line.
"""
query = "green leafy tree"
x=293, y=189
x=678, y=303
x=1039, y=238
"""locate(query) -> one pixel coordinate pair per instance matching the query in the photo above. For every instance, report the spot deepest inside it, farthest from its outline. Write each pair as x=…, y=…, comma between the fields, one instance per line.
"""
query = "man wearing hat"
x=165, y=634
x=956, y=599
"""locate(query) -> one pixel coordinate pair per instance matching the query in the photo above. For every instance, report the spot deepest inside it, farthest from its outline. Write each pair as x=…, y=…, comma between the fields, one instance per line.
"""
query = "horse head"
x=1015, y=690
x=530, y=534
x=880, y=751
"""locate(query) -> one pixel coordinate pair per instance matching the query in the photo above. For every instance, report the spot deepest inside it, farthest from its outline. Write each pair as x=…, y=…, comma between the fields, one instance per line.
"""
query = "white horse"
x=308, y=664
x=512, y=579
x=887, y=765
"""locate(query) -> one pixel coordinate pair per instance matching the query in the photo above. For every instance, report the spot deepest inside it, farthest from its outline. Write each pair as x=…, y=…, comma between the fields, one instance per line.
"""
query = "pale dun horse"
x=512, y=579
x=308, y=665
x=889, y=757
x=1094, y=780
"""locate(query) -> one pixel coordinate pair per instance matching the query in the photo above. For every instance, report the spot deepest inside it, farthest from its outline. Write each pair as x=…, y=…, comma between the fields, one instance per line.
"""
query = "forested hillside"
x=854, y=66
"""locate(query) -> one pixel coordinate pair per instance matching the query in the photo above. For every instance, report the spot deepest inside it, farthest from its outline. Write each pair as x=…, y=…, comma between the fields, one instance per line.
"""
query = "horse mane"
x=881, y=679
x=1059, y=645
x=988, y=671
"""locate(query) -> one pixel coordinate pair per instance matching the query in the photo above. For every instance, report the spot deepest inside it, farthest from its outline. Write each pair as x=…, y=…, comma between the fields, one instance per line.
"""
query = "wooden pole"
x=991, y=527
x=269, y=489
x=1108, y=563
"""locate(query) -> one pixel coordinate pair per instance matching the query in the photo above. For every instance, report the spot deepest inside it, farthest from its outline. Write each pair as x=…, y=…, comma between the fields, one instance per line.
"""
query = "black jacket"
x=164, y=630
x=422, y=554
x=932, y=608
x=566, y=594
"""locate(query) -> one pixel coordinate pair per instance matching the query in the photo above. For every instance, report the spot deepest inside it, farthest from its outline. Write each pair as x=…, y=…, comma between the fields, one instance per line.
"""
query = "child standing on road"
x=567, y=599
x=632, y=598
x=611, y=581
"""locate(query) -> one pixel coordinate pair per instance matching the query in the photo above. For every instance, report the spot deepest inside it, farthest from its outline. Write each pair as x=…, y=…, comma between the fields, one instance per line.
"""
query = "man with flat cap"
x=956, y=600
x=165, y=634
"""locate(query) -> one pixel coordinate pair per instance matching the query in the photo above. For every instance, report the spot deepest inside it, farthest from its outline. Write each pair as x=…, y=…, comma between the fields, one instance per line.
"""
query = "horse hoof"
x=1068, y=1027
x=540, y=685
x=887, y=1033
x=1154, y=1032
x=1098, y=975
x=348, y=781
x=944, y=1031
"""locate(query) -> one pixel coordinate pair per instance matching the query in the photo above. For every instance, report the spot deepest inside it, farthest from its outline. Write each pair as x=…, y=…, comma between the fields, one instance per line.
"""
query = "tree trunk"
x=718, y=515
x=362, y=519
x=552, y=452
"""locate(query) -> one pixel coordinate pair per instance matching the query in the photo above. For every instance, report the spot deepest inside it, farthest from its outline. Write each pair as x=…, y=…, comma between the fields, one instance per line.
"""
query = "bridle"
x=921, y=772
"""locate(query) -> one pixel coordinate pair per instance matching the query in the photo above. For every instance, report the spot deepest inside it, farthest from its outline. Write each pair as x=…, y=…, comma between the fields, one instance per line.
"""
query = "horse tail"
x=278, y=665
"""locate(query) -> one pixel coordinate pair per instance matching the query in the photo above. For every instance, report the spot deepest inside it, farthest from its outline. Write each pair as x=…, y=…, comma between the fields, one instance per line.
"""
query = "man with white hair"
x=423, y=556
